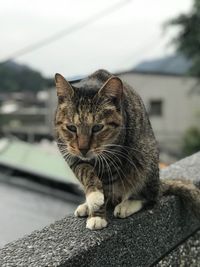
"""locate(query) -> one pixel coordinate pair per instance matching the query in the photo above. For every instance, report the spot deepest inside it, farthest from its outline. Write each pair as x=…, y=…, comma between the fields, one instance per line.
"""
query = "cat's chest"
x=109, y=178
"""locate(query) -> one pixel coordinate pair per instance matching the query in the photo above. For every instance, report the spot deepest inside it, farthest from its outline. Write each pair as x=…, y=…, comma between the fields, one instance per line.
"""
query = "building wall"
x=181, y=104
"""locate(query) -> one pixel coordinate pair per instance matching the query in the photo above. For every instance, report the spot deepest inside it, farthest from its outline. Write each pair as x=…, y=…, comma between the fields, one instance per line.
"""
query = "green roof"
x=35, y=160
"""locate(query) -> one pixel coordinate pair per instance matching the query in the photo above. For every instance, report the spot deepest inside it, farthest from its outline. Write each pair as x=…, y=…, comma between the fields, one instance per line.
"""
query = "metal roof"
x=35, y=160
x=170, y=65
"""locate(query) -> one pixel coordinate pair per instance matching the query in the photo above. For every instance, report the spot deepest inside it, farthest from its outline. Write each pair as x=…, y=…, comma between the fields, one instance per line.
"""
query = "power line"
x=55, y=37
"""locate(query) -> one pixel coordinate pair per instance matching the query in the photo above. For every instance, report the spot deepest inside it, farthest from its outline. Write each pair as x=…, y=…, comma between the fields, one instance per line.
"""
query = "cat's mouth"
x=83, y=154
x=87, y=156
x=85, y=159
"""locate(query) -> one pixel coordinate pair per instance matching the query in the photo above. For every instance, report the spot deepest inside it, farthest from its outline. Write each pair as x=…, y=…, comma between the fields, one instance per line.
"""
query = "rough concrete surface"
x=187, y=168
x=139, y=240
x=185, y=255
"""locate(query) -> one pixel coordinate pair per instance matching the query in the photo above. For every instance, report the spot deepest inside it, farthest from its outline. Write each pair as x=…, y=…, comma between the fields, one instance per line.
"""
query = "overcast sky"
x=115, y=42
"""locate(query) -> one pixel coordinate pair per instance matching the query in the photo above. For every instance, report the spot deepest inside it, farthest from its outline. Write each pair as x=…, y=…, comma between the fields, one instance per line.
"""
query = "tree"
x=188, y=39
x=15, y=77
x=191, y=141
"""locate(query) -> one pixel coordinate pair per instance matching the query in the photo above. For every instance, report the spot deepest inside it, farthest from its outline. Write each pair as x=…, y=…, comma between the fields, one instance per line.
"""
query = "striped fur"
x=103, y=132
x=186, y=190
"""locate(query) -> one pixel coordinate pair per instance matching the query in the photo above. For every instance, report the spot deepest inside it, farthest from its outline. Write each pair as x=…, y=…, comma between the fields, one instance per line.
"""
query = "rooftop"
x=176, y=65
x=32, y=159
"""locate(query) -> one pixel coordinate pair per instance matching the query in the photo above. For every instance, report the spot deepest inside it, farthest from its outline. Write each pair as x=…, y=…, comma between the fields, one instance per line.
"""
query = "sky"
x=117, y=41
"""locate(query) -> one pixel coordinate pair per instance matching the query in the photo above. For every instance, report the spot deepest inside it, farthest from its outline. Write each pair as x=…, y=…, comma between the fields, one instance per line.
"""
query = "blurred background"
x=153, y=45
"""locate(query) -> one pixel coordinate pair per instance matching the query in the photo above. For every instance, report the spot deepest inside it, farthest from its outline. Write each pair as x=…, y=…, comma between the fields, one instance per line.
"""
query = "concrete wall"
x=181, y=104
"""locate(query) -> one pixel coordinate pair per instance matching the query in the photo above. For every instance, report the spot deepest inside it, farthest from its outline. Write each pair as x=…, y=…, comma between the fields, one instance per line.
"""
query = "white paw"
x=96, y=223
x=95, y=200
x=81, y=211
x=127, y=208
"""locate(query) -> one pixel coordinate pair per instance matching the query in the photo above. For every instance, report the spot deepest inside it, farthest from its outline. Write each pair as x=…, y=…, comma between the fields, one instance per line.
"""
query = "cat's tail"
x=186, y=190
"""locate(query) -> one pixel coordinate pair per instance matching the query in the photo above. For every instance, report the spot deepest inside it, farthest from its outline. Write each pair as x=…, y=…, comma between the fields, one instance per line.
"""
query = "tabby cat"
x=104, y=134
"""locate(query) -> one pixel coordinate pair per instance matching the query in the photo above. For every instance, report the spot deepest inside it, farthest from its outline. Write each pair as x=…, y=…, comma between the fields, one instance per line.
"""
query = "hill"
x=15, y=77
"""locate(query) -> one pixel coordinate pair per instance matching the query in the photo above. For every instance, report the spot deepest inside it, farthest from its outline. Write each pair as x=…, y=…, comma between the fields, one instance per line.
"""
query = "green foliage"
x=14, y=77
x=191, y=141
x=188, y=39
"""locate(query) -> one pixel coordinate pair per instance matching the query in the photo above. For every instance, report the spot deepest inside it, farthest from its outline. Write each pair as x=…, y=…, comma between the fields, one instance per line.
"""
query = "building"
x=172, y=99
x=25, y=115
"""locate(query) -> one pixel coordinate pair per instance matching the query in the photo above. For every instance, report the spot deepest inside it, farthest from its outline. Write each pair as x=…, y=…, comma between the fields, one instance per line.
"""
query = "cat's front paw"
x=96, y=223
x=127, y=208
x=81, y=211
x=95, y=201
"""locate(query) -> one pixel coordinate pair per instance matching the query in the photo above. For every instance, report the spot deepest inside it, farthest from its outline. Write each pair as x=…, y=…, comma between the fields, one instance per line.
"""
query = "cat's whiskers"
x=128, y=180
x=102, y=167
x=67, y=157
x=108, y=151
x=115, y=167
x=123, y=147
x=96, y=150
x=117, y=153
x=95, y=163
x=125, y=177
x=61, y=145
x=126, y=155
x=65, y=153
x=110, y=190
x=60, y=141
x=110, y=185
x=116, y=157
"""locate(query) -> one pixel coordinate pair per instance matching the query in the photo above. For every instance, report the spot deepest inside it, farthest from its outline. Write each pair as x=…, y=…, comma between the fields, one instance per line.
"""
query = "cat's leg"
x=96, y=207
x=128, y=207
x=94, y=196
x=97, y=219
x=81, y=210
x=94, y=199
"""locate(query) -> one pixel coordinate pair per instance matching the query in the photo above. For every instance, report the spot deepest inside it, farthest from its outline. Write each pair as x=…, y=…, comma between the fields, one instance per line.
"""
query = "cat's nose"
x=84, y=151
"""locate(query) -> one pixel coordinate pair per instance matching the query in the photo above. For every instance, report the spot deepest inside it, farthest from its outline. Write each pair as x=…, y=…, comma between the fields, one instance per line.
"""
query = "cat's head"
x=88, y=119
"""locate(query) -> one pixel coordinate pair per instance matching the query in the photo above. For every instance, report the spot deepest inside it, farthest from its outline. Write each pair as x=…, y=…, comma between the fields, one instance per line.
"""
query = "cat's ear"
x=113, y=87
x=63, y=87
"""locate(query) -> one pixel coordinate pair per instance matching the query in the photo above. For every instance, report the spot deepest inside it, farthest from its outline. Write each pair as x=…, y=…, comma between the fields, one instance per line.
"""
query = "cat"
x=103, y=132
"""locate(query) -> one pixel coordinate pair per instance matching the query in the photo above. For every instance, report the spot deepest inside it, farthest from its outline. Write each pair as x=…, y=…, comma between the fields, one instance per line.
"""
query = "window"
x=155, y=107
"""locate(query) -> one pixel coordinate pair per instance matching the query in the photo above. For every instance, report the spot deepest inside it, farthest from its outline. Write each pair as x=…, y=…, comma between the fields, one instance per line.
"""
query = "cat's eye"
x=72, y=128
x=113, y=124
x=97, y=128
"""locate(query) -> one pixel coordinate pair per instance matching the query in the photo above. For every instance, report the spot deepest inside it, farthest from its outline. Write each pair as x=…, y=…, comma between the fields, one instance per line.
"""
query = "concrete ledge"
x=188, y=168
x=185, y=255
x=140, y=240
